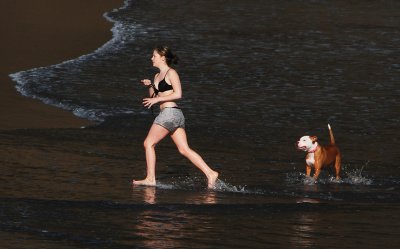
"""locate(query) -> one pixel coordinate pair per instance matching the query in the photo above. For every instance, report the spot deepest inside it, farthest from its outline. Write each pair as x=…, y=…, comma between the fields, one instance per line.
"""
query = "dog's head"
x=307, y=143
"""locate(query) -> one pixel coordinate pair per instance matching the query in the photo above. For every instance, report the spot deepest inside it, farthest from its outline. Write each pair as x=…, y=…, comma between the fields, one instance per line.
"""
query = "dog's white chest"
x=310, y=160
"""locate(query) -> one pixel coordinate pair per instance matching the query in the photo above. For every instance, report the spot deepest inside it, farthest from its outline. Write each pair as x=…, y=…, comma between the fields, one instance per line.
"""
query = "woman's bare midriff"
x=168, y=103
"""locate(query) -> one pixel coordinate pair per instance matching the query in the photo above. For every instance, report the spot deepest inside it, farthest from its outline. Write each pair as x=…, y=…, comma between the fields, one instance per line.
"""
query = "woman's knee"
x=148, y=143
x=185, y=151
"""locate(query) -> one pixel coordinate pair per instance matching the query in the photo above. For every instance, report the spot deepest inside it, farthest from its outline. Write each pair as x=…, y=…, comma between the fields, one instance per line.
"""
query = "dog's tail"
x=331, y=135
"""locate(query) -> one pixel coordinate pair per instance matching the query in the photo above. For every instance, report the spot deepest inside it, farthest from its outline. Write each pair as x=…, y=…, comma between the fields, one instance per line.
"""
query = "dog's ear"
x=314, y=138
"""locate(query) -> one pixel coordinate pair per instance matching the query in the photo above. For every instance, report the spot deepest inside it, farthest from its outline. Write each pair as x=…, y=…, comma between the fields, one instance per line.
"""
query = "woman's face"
x=157, y=59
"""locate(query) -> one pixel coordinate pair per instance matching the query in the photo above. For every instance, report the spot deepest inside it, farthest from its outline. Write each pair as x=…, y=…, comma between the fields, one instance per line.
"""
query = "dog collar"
x=313, y=149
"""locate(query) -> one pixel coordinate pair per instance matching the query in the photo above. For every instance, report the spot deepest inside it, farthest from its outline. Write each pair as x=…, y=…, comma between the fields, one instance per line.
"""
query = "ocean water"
x=256, y=76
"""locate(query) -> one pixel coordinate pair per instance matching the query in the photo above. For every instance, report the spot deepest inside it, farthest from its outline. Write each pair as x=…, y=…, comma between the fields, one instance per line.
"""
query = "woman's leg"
x=180, y=139
x=156, y=134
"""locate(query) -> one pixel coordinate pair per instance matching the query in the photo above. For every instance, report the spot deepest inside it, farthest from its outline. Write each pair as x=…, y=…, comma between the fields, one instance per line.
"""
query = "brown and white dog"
x=319, y=156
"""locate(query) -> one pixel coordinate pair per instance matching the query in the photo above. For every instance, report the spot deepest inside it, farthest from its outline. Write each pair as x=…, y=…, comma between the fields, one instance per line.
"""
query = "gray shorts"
x=170, y=118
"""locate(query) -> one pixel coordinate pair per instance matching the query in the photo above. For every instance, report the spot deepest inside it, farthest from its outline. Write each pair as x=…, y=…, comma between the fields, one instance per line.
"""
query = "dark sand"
x=41, y=33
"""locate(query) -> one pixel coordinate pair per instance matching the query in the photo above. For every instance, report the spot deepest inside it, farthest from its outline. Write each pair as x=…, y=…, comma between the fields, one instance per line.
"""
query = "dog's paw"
x=308, y=180
x=335, y=180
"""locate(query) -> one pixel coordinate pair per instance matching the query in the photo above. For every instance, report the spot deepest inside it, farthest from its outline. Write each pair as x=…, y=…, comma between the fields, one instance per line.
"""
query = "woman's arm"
x=172, y=77
x=148, y=83
x=151, y=90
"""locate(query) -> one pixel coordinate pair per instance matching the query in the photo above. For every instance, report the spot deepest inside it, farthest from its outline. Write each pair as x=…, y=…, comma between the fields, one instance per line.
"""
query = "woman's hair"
x=170, y=57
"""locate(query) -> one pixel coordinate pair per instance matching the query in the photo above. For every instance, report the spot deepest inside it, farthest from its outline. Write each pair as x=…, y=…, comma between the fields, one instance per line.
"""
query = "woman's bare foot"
x=144, y=182
x=212, y=179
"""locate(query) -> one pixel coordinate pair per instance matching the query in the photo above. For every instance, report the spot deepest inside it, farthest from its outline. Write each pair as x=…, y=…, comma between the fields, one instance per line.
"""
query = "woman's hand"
x=149, y=102
x=146, y=82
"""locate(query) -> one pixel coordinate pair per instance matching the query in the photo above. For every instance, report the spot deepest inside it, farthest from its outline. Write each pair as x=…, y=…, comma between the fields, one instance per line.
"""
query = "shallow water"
x=71, y=189
x=256, y=76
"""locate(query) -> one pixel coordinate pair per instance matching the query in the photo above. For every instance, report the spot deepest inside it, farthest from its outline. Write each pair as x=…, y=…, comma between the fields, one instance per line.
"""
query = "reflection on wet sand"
x=149, y=196
x=160, y=227
x=304, y=230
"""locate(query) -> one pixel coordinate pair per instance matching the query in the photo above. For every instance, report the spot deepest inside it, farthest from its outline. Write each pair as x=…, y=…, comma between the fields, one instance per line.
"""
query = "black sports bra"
x=162, y=86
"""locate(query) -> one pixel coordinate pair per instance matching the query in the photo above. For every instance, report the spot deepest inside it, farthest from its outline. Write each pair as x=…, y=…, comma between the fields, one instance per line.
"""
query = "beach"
x=256, y=76
x=41, y=33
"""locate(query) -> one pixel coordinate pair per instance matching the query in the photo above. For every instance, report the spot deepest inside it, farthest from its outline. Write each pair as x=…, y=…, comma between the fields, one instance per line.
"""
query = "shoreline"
x=42, y=33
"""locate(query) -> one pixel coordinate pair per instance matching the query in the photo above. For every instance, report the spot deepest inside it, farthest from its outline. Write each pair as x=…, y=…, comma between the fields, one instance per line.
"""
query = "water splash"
x=222, y=186
x=354, y=177
x=166, y=186
x=195, y=183
x=226, y=187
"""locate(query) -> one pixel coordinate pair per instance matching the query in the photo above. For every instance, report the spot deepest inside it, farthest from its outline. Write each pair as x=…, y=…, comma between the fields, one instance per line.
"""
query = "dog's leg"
x=308, y=170
x=337, y=166
x=317, y=171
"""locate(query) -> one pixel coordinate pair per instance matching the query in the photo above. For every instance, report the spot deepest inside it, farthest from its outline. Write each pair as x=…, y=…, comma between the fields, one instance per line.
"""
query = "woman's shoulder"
x=172, y=76
x=172, y=72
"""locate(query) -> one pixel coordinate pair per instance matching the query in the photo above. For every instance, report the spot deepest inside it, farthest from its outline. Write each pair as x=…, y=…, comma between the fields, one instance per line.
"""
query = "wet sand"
x=71, y=187
x=40, y=33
